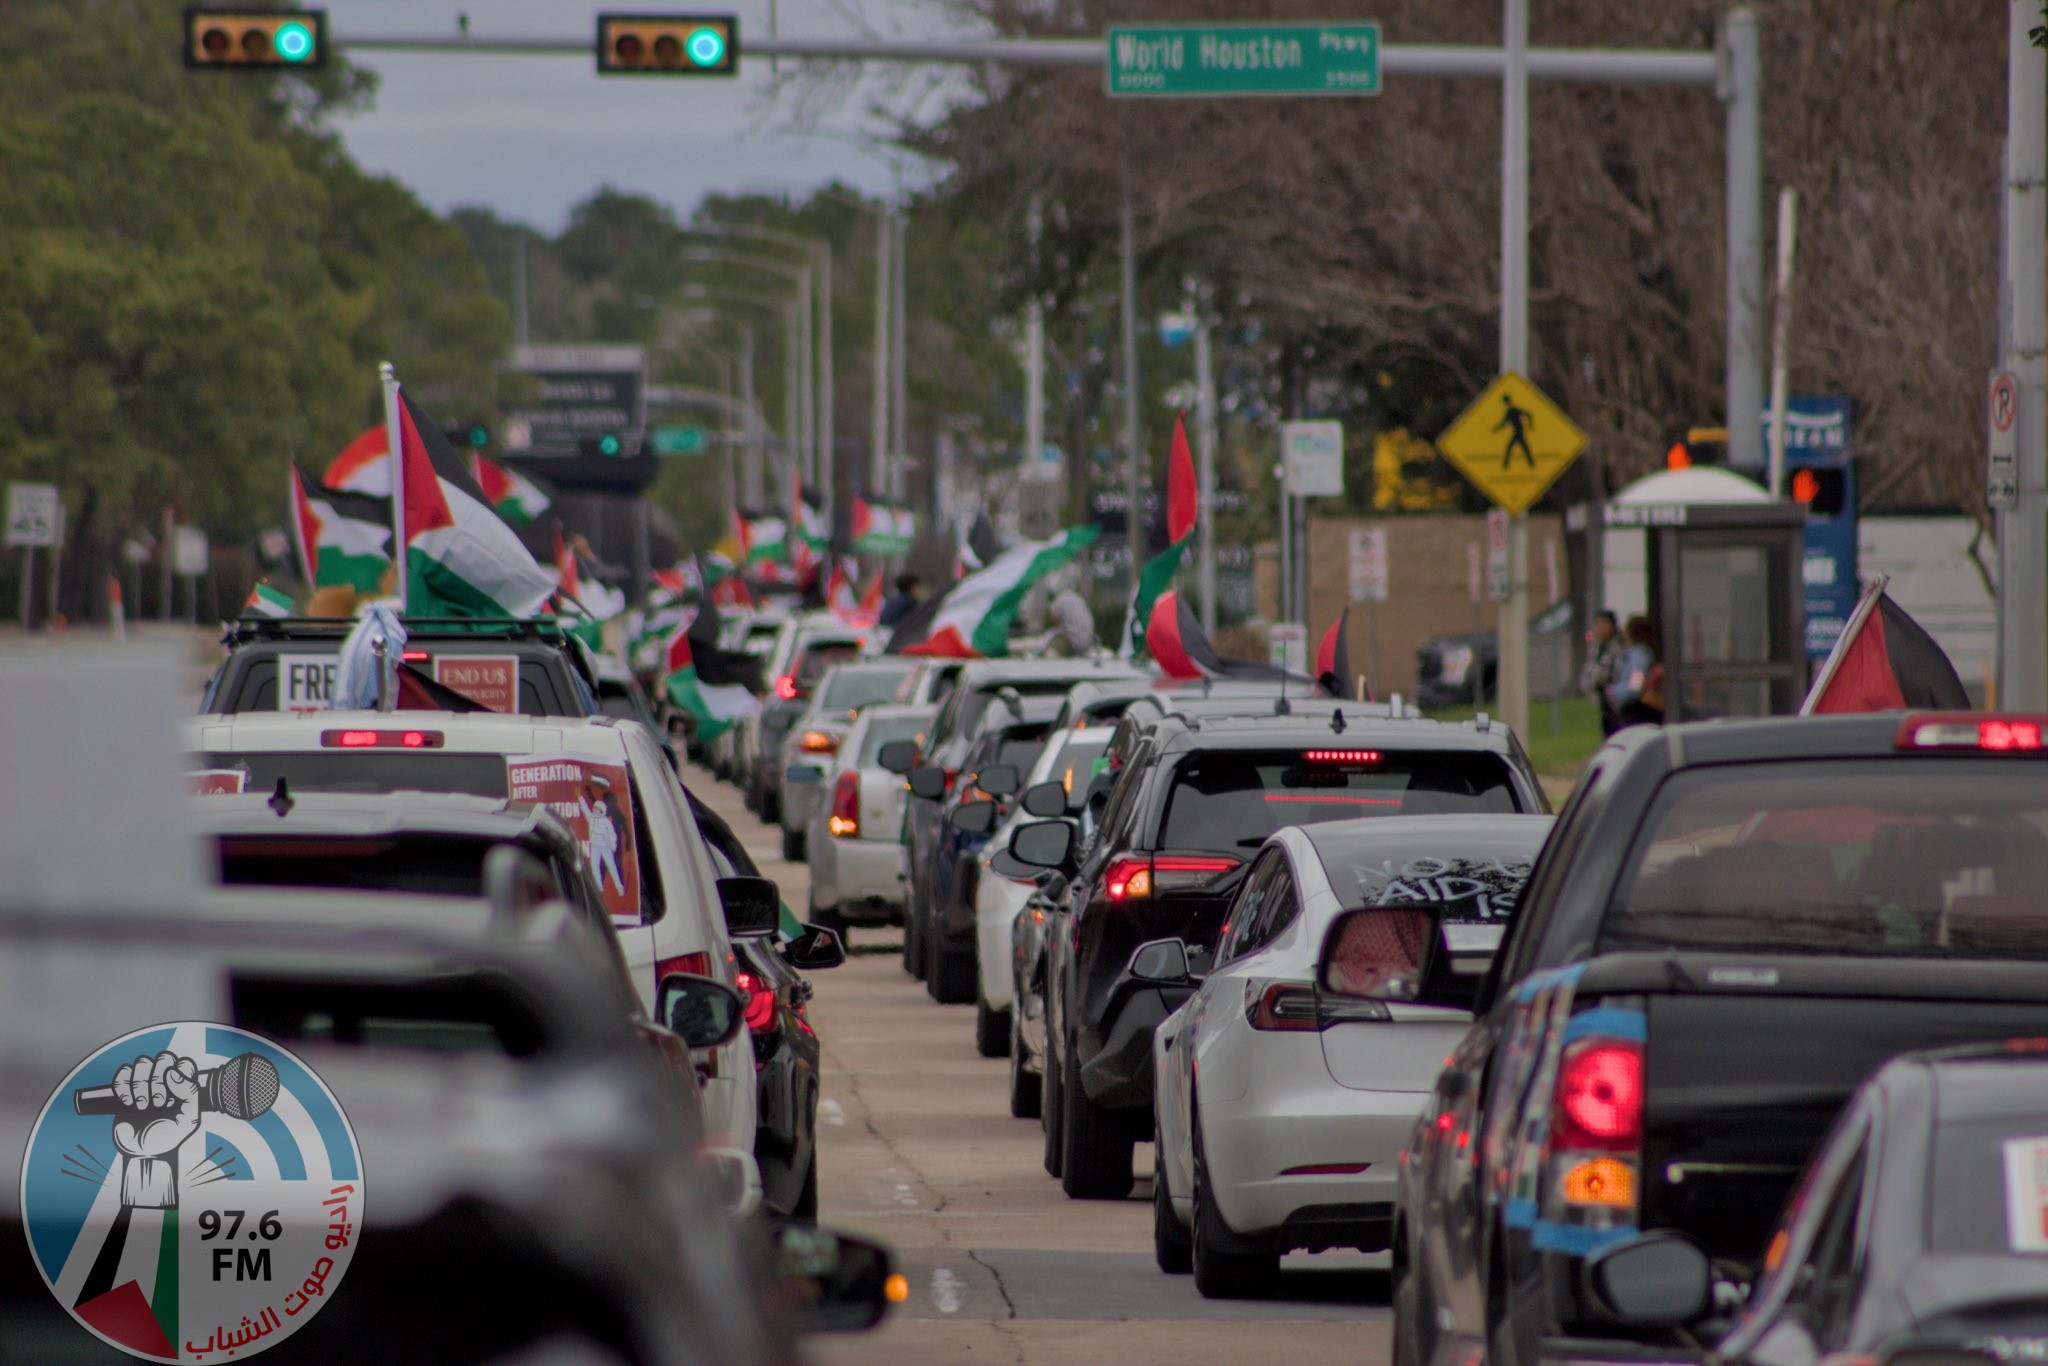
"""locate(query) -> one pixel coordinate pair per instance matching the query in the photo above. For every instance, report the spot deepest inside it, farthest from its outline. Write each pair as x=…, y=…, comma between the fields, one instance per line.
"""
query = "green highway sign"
x=678, y=440
x=1170, y=60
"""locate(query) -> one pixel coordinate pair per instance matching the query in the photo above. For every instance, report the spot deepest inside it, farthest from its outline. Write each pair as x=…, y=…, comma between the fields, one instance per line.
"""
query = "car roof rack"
x=244, y=630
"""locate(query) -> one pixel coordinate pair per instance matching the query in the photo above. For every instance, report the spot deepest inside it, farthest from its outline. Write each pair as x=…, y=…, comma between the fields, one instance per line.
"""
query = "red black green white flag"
x=461, y=558
x=972, y=618
x=1182, y=506
x=1175, y=640
x=343, y=537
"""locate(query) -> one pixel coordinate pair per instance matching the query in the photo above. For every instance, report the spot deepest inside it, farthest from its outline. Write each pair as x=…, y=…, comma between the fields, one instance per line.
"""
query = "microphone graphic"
x=243, y=1087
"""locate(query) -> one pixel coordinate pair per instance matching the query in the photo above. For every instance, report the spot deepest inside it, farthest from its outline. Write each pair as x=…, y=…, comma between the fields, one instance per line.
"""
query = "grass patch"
x=1561, y=736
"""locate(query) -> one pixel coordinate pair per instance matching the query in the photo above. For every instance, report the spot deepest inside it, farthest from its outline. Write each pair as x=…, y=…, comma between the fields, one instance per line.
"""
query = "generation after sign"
x=1169, y=60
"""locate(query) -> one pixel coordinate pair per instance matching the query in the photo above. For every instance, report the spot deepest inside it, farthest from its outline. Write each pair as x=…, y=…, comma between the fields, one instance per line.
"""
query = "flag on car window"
x=972, y=618
x=461, y=558
x=1885, y=661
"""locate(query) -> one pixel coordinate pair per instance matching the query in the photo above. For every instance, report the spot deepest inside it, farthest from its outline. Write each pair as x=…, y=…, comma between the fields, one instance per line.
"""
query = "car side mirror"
x=816, y=949
x=1162, y=963
x=1044, y=844
x=705, y=1013
x=1045, y=800
x=1389, y=953
x=753, y=905
x=998, y=780
x=898, y=756
x=832, y=1282
x=928, y=782
x=973, y=818
x=1660, y=1279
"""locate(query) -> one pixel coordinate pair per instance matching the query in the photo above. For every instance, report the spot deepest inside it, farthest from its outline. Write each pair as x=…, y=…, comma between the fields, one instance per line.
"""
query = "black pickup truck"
x=1731, y=926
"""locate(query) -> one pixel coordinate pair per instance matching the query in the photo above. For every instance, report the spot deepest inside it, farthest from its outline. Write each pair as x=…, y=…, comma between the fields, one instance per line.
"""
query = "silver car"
x=814, y=737
x=856, y=830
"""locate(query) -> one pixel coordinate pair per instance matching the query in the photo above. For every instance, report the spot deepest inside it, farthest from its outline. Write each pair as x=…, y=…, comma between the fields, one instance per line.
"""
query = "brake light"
x=1143, y=875
x=1599, y=1096
x=844, y=822
x=760, y=999
x=1282, y=1006
x=1128, y=878
x=818, y=742
x=381, y=739
x=1960, y=730
x=785, y=687
x=414, y=656
x=1341, y=756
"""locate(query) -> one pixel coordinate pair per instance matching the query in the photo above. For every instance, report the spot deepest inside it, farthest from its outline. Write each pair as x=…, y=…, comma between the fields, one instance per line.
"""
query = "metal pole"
x=28, y=583
x=1781, y=328
x=828, y=455
x=1205, y=462
x=1513, y=685
x=1742, y=91
x=800, y=458
x=792, y=408
x=899, y=332
x=1286, y=543
x=397, y=456
x=1034, y=343
x=749, y=414
x=167, y=589
x=878, y=410
x=2023, y=554
x=1134, y=511
x=519, y=287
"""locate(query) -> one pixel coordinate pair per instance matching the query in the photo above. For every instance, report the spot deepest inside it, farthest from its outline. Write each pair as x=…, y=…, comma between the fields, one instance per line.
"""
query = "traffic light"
x=474, y=435
x=288, y=39
x=611, y=445
x=1824, y=489
x=668, y=45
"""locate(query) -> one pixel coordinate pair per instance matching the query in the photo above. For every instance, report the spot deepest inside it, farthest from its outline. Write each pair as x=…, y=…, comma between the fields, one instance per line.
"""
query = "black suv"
x=552, y=672
x=1193, y=800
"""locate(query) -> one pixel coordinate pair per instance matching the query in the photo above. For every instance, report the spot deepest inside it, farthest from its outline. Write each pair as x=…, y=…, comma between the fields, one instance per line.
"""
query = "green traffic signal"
x=293, y=41
x=707, y=47
x=608, y=444
x=479, y=436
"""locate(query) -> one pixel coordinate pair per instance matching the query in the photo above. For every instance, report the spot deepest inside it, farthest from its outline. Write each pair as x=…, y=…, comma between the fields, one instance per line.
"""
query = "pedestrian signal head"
x=271, y=39
x=667, y=44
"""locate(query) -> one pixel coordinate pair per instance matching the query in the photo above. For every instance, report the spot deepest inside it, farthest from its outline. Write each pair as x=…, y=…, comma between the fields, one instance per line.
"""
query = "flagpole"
x=1871, y=593
x=396, y=449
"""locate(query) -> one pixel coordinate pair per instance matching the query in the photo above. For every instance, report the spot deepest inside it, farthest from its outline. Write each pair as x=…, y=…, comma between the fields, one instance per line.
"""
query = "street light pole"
x=1513, y=688
x=2022, y=554
x=1205, y=457
x=899, y=405
x=1134, y=516
x=878, y=410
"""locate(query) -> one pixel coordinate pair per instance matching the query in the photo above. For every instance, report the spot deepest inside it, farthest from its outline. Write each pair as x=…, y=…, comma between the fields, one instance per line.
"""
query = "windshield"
x=479, y=775
x=1900, y=857
x=813, y=658
x=884, y=729
x=1233, y=800
x=1076, y=764
x=852, y=689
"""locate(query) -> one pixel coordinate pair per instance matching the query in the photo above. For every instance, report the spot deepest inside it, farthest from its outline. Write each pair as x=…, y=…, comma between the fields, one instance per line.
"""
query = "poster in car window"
x=1470, y=890
x=490, y=680
x=596, y=803
x=305, y=682
x=2026, y=1194
x=217, y=782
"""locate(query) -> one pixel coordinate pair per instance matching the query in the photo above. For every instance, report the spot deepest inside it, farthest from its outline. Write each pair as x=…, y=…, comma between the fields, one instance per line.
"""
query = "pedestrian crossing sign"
x=1512, y=443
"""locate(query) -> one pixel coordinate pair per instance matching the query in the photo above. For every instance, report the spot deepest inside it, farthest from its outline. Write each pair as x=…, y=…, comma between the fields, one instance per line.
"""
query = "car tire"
x=806, y=1206
x=1095, y=1148
x=771, y=805
x=950, y=976
x=1407, y=1306
x=991, y=1029
x=793, y=845
x=1173, y=1248
x=1027, y=1092
x=1049, y=1116
x=1221, y=1274
x=913, y=946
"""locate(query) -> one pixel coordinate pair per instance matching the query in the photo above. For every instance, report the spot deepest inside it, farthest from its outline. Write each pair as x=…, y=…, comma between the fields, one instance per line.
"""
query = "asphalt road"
x=918, y=1150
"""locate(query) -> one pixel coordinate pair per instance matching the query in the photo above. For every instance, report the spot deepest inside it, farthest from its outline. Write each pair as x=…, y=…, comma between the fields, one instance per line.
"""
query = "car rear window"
x=433, y=865
x=1232, y=800
x=852, y=689
x=1992, y=1179
x=813, y=659
x=1888, y=857
x=883, y=730
x=978, y=701
x=1076, y=764
x=479, y=775
x=1471, y=880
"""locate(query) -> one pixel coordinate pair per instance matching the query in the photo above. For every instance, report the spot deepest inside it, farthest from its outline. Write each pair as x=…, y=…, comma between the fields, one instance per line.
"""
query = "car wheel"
x=793, y=843
x=913, y=947
x=1172, y=1248
x=1049, y=1115
x=771, y=805
x=1026, y=1090
x=1095, y=1148
x=1221, y=1274
x=1407, y=1304
x=949, y=976
x=991, y=1029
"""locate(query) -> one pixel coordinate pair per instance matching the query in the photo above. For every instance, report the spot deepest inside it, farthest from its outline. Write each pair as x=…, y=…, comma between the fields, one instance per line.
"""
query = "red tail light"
x=1960, y=730
x=760, y=999
x=845, y=818
x=414, y=656
x=818, y=742
x=381, y=739
x=1142, y=875
x=1599, y=1097
x=1283, y=1006
x=1127, y=878
x=785, y=687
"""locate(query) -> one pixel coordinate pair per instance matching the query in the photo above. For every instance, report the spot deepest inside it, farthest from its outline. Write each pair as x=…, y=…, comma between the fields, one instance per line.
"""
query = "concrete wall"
x=1428, y=592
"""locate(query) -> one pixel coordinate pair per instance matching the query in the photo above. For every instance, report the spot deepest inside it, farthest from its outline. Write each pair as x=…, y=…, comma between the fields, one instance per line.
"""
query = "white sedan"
x=1282, y=1113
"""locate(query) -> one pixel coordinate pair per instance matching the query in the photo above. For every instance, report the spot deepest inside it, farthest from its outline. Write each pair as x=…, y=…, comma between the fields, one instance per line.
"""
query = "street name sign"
x=1512, y=443
x=1167, y=61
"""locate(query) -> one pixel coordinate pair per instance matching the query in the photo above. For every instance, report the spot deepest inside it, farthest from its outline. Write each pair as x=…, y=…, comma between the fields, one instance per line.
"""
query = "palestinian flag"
x=265, y=601
x=811, y=540
x=712, y=706
x=976, y=548
x=511, y=495
x=364, y=465
x=344, y=538
x=1181, y=505
x=1333, y=659
x=971, y=619
x=871, y=601
x=764, y=538
x=461, y=559
x=882, y=528
x=845, y=604
x=1175, y=640
x=1885, y=661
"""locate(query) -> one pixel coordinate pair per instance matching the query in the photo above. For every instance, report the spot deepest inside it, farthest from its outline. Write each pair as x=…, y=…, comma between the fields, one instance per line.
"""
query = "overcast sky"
x=531, y=136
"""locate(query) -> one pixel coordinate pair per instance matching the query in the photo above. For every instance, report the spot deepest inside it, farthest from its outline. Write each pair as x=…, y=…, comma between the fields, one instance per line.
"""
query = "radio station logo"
x=192, y=1192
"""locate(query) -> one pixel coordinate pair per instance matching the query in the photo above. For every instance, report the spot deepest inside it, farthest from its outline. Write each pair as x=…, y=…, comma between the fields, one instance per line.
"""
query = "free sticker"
x=192, y=1192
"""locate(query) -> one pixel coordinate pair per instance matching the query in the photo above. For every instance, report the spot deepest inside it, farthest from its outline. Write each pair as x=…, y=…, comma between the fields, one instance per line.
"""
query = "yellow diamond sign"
x=1512, y=443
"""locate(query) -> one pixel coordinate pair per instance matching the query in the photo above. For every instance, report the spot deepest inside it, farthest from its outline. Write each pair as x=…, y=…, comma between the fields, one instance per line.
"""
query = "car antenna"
x=1280, y=707
x=1337, y=721
x=281, y=800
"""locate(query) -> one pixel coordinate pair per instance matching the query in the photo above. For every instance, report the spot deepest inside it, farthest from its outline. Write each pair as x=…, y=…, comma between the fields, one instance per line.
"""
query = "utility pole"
x=1781, y=336
x=1742, y=91
x=1034, y=342
x=1205, y=456
x=827, y=463
x=519, y=287
x=899, y=407
x=792, y=406
x=1514, y=346
x=802, y=455
x=2022, y=553
x=1134, y=513
x=878, y=425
